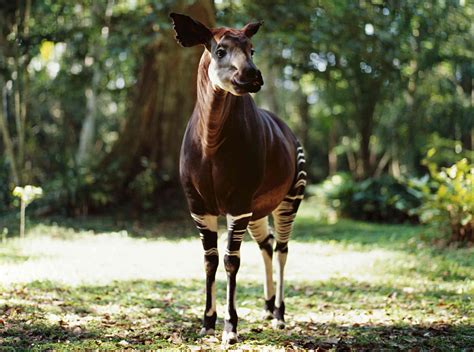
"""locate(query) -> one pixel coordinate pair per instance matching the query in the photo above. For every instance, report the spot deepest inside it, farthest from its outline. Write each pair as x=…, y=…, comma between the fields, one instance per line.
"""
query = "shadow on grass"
x=174, y=228
x=307, y=229
x=178, y=225
x=151, y=314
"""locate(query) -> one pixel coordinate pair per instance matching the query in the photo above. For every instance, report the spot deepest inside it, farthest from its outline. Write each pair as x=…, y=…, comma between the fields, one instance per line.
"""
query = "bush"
x=384, y=199
x=449, y=198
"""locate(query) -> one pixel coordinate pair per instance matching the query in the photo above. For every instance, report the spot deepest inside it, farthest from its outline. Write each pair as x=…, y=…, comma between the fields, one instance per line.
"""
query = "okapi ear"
x=190, y=32
x=251, y=28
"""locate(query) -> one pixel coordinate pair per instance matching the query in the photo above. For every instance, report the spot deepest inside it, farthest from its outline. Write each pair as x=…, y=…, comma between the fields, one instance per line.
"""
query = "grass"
x=103, y=283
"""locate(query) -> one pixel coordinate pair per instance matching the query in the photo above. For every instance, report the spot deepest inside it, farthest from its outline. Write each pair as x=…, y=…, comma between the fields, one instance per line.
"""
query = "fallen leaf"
x=175, y=338
x=77, y=330
x=123, y=343
x=331, y=340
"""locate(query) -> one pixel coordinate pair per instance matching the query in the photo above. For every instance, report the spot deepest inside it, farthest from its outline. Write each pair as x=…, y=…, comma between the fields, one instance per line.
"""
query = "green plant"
x=384, y=199
x=26, y=194
x=449, y=198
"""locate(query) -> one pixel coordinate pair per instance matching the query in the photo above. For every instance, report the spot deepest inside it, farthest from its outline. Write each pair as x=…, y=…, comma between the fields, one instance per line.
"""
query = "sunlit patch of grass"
x=9, y=253
x=349, y=285
x=151, y=314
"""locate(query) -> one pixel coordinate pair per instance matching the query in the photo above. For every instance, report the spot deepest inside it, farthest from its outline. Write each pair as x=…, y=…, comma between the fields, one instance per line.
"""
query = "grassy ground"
x=100, y=283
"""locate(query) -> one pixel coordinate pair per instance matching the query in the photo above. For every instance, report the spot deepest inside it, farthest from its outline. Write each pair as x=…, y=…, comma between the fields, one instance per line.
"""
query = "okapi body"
x=239, y=161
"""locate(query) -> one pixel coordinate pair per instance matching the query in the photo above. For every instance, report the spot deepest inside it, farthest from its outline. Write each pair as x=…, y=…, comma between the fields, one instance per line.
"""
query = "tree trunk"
x=162, y=103
x=366, y=112
x=268, y=99
x=87, y=136
x=366, y=128
x=7, y=141
x=467, y=84
x=332, y=142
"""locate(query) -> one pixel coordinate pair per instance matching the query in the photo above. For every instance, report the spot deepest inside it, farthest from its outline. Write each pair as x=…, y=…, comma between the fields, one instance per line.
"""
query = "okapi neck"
x=213, y=107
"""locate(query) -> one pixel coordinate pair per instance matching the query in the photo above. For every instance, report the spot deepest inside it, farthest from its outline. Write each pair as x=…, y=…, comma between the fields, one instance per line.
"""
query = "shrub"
x=384, y=199
x=449, y=198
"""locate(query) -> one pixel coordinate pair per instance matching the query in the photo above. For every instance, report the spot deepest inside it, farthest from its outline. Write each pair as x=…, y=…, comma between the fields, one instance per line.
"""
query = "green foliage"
x=382, y=76
x=380, y=81
x=449, y=197
x=383, y=199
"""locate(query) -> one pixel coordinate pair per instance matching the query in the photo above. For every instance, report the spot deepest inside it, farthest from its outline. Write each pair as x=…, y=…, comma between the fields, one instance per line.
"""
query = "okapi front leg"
x=237, y=225
x=207, y=226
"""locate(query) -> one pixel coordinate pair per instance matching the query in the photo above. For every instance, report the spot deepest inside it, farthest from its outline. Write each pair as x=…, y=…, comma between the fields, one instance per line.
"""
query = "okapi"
x=240, y=161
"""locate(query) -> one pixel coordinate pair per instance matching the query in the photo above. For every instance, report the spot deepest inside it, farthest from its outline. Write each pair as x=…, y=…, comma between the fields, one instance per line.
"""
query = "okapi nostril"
x=251, y=73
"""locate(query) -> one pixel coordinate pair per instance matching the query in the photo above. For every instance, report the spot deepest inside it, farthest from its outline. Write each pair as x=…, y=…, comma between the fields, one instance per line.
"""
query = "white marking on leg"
x=212, y=251
x=283, y=218
x=232, y=253
x=280, y=280
x=259, y=230
x=205, y=222
x=229, y=337
x=211, y=311
x=238, y=217
x=268, y=288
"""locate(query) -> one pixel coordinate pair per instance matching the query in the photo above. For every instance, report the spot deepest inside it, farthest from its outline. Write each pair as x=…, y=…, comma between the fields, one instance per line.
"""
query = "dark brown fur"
x=235, y=157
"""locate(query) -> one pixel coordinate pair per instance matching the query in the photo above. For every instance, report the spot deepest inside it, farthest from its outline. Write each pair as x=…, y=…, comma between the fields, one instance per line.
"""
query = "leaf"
x=124, y=343
x=46, y=50
x=175, y=338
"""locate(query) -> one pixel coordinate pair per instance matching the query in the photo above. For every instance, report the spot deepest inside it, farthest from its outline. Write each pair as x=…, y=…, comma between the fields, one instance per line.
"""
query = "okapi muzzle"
x=247, y=79
x=237, y=161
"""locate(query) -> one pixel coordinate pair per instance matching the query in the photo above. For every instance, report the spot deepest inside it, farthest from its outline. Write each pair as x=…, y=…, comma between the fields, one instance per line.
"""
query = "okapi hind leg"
x=207, y=226
x=283, y=219
x=237, y=226
x=259, y=230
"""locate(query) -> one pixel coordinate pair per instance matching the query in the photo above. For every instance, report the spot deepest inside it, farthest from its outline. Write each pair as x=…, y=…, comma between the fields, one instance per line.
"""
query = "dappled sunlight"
x=104, y=257
x=67, y=257
x=109, y=289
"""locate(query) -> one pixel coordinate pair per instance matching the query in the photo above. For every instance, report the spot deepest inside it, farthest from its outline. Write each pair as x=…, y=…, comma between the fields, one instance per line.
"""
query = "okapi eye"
x=252, y=52
x=220, y=53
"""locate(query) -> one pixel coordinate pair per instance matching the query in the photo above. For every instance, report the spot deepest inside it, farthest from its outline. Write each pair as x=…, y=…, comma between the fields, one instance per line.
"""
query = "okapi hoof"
x=267, y=315
x=269, y=308
x=207, y=332
x=229, y=338
x=278, y=324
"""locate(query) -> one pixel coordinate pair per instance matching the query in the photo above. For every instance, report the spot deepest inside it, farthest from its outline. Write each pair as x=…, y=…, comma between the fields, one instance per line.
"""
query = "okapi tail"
x=299, y=183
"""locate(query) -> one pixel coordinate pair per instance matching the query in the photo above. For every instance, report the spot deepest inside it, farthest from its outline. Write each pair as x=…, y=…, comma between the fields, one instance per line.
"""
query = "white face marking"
x=222, y=70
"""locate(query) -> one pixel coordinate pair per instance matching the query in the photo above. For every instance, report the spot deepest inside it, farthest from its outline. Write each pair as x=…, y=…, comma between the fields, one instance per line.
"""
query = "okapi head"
x=231, y=67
